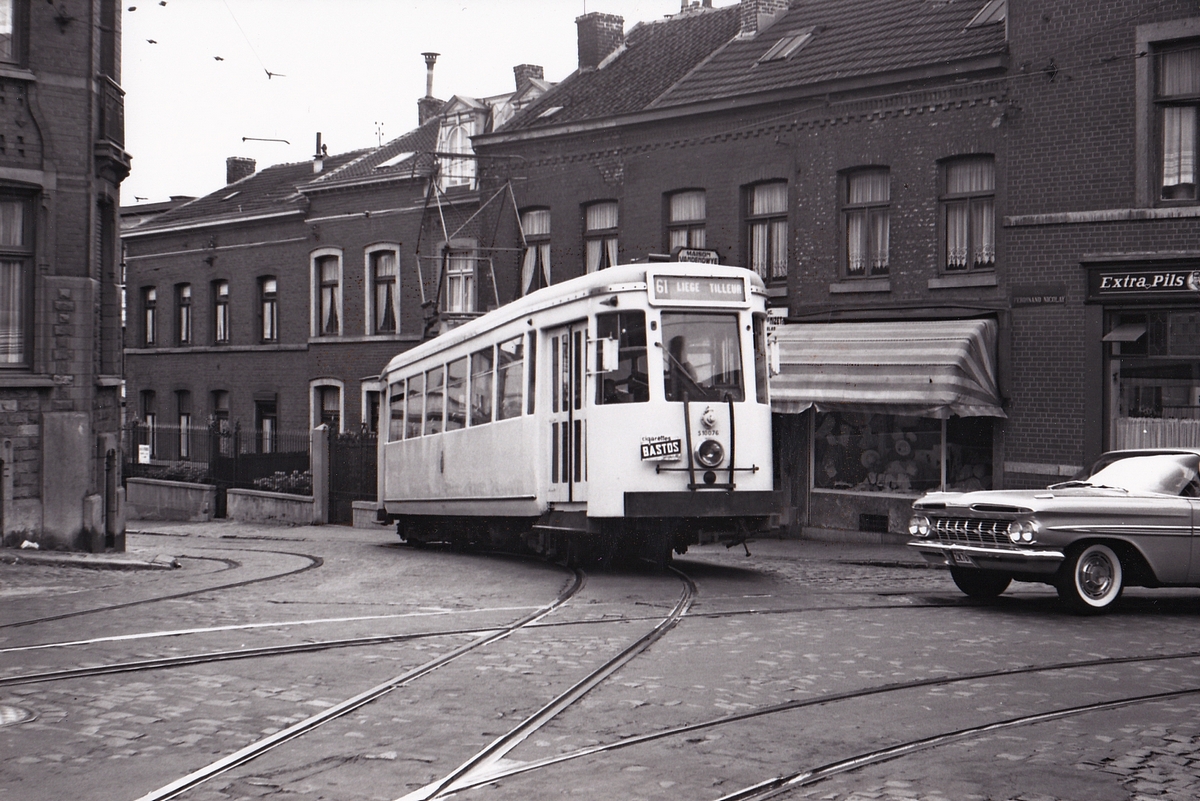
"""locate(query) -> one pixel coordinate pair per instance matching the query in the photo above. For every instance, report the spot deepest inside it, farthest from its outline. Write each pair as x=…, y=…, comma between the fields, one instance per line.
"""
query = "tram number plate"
x=963, y=559
x=661, y=449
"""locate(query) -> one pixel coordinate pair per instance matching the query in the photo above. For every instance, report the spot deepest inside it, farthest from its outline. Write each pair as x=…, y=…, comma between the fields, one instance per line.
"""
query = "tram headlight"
x=918, y=526
x=710, y=453
x=1024, y=530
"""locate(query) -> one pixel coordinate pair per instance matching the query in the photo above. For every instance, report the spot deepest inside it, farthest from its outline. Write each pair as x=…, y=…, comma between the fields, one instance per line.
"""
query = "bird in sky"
x=271, y=75
x=151, y=41
x=218, y=58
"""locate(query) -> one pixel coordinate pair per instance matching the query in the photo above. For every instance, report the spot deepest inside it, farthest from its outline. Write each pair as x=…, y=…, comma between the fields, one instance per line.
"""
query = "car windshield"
x=1164, y=474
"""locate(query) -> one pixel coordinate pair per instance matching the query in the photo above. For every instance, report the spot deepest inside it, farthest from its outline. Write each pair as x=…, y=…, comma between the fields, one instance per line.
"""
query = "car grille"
x=969, y=531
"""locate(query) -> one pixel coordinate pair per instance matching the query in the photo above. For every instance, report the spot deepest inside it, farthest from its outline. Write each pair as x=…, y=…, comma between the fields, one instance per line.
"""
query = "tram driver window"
x=702, y=357
x=626, y=384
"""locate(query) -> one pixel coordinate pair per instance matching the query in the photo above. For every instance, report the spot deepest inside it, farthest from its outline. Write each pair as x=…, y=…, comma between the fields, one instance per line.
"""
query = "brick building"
x=272, y=303
x=978, y=218
x=62, y=160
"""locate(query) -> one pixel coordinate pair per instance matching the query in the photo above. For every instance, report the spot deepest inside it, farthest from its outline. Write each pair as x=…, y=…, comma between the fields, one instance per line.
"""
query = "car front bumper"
x=1035, y=561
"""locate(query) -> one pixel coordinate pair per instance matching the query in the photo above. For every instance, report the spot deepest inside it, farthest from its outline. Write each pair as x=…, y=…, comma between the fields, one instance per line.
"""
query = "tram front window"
x=627, y=383
x=702, y=357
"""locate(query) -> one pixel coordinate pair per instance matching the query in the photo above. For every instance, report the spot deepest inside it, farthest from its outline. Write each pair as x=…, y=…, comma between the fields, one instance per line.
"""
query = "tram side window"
x=456, y=394
x=626, y=384
x=510, y=377
x=703, y=357
x=396, y=403
x=435, y=394
x=760, y=358
x=415, y=412
x=531, y=393
x=481, y=387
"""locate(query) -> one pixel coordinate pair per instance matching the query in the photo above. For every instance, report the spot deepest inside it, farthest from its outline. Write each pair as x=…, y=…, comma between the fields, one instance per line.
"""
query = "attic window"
x=788, y=46
x=550, y=112
x=232, y=195
x=992, y=12
x=394, y=160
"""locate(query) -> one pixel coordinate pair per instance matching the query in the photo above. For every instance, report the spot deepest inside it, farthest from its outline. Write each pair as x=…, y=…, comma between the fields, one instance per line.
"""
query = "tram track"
x=256, y=749
x=313, y=563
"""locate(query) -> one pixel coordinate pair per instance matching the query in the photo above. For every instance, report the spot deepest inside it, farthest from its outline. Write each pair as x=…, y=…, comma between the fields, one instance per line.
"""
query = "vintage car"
x=1130, y=520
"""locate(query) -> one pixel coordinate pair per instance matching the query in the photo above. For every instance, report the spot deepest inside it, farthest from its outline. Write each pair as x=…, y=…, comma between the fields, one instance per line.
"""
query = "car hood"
x=1026, y=501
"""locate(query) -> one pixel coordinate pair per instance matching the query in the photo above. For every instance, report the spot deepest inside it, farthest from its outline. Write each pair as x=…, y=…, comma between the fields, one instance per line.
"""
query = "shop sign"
x=1038, y=294
x=1144, y=283
x=661, y=449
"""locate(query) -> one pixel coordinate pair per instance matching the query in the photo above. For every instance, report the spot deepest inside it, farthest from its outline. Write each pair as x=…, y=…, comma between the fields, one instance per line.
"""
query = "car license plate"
x=962, y=559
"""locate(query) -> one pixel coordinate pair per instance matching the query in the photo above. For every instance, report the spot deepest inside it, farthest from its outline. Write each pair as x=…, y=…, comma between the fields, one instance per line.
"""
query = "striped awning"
x=925, y=369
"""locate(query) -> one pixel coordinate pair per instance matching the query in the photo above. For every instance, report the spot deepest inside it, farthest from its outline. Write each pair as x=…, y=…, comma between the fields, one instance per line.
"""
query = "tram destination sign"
x=667, y=288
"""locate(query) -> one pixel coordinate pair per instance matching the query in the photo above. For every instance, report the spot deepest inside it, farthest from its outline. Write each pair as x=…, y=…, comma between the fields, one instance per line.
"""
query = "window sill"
x=109, y=380
x=16, y=73
x=342, y=340
x=26, y=381
x=861, y=285
x=777, y=291
x=959, y=281
x=215, y=349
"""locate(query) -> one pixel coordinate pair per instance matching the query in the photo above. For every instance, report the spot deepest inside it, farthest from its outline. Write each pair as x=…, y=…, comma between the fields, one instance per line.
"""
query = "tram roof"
x=619, y=278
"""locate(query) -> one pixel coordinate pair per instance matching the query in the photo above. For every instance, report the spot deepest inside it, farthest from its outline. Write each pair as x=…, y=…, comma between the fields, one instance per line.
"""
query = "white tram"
x=624, y=411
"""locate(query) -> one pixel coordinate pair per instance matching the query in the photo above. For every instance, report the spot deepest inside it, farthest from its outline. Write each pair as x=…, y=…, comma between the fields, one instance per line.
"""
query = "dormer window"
x=454, y=138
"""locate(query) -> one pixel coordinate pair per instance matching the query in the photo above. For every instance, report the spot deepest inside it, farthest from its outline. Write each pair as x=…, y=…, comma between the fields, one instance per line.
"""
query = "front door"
x=567, y=368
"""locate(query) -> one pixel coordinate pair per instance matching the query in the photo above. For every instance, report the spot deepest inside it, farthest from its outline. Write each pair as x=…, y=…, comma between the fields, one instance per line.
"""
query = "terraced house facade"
x=62, y=160
x=976, y=220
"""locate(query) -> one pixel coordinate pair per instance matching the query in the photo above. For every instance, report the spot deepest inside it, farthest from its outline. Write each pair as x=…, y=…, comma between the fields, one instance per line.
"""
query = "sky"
x=195, y=74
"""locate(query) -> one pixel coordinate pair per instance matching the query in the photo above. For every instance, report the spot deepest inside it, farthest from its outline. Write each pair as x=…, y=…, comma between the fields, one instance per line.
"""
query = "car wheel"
x=1092, y=579
x=980, y=583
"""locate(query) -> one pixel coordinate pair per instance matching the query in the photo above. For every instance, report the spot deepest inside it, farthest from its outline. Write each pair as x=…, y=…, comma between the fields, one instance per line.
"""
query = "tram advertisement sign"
x=696, y=289
x=661, y=449
x=1143, y=283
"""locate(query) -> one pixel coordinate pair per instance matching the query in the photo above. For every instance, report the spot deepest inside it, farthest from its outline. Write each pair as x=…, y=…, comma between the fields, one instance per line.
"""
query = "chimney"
x=758, y=15
x=237, y=168
x=319, y=156
x=525, y=73
x=428, y=106
x=599, y=35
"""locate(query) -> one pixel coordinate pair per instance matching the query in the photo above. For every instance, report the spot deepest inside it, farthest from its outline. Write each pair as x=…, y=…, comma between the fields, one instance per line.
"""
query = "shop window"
x=867, y=221
x=221, y=333
x=535, y=261
x=627, y=383
x=900, y=455
x=1154, y=358
x=686, y=220
x=767, y=230
x=183, y=313
x=600, y=221
x=969, y=213
x=268, y=308
x=16, y=282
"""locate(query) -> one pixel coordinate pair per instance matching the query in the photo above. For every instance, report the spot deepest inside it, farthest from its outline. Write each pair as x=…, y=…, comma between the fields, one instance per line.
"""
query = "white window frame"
x=380, y=387
x=369, y=288
x=314, y=288
x=468, y=249
x=314, y=406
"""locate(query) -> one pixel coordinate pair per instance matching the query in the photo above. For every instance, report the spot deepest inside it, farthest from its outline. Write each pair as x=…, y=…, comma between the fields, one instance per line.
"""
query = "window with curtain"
x=969, y=213
x=455, y=137
x=686, y=216
x=149, y=316
x=327, y=403
x=221, y=312
x=460, y=281
x=385, y=274
x=868, y=221
x=183, y=307
x=328, y=273
x=1178, y=98
x=268, y=292
x=535, y=261
x=12, y=34
x=16, y=282
x=183, y=403
x=767, y=230
x=600, y=222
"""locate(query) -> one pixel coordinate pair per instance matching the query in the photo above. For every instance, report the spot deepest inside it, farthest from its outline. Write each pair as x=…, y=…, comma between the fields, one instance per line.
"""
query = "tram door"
x=568, y=401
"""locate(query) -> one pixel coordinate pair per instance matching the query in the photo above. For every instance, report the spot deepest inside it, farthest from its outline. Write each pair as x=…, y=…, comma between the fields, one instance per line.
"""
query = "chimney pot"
x=237, y=168
x=758, y=15
x=599, y=35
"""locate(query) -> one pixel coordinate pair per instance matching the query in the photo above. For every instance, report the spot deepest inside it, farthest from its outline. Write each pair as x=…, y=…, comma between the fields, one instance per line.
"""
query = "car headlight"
x=710, y=453
x=1024, y=530
x=918, y=526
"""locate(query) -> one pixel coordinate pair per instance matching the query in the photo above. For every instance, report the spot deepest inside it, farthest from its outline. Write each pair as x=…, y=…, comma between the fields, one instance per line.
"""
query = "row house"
x=976, y=221
x=62, y=160
x=273, y=303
